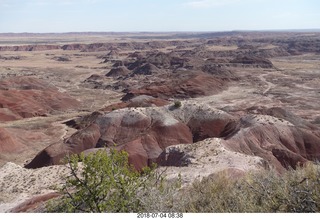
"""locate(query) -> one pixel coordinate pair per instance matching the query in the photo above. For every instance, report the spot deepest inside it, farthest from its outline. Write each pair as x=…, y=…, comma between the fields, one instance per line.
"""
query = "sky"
x=43, y=16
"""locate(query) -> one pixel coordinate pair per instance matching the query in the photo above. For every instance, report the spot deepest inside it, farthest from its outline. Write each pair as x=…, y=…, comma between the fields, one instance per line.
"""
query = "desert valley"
x=196, y=104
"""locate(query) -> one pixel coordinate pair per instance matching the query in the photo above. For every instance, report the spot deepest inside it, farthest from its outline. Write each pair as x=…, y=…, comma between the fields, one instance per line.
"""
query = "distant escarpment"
x=30, y=48
x=95, y=47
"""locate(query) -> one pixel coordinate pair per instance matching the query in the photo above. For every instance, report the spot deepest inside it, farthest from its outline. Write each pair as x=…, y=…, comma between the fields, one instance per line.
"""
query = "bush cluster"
x=294, y=191
x=177, y=104
x=105, y=182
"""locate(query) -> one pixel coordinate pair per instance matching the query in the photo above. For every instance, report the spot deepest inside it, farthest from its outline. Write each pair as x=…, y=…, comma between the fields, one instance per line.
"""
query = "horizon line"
x=186, y=31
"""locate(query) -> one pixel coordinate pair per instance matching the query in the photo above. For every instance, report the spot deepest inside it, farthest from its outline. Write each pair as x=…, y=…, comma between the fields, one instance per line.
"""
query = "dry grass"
x=294, y=191
x=34, y=122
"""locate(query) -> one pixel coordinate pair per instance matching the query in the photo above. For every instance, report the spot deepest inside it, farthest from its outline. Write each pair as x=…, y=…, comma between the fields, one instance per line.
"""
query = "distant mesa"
x=30, y=48
x=74, y=47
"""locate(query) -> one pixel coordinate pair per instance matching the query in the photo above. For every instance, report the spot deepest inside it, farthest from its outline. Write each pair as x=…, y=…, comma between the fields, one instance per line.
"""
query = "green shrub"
x=177, y=104
x=102, y=183
x=105, y=182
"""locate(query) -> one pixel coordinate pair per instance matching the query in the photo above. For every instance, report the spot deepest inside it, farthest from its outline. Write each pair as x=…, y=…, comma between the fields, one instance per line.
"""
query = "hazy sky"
x=157, y=15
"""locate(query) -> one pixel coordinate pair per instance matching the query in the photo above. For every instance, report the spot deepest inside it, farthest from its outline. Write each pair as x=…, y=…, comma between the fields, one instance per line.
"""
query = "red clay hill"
x=282, y=139
x=24, y=97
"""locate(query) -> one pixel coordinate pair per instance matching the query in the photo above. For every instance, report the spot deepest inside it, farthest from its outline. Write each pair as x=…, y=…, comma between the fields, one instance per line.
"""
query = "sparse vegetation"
x=106, y=183
x=294, y=191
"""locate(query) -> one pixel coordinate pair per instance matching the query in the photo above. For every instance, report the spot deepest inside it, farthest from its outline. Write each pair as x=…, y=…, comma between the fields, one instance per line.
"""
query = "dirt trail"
x=66, y=130
x=269, y=84
x=41, y=120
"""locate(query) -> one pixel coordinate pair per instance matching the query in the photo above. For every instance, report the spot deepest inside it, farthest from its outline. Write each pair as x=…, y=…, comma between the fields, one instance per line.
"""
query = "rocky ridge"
x=145, y=133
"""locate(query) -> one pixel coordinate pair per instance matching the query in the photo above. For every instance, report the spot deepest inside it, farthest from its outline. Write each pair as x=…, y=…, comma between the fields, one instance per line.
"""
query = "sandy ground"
x=18, y=184
x=208, y=157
